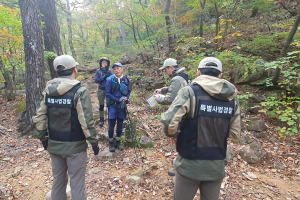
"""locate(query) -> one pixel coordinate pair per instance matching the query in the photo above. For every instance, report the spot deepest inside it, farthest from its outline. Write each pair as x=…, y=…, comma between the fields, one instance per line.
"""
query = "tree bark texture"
x=168, y=24
x=34, y=56
x=51, y=31
x=69, y=21
x=286, y=46
x=107, y=37
x=8, y=89
x=133, y=28
x=217, y=19
x=123, y=34
x=201, y=17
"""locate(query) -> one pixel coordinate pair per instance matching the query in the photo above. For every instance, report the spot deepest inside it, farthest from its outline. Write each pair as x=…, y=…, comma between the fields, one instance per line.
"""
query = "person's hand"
x=158, y=91
x=45, y=144
x=121, y=99
x=125, y=99
x=174, y=140
x=96, y=150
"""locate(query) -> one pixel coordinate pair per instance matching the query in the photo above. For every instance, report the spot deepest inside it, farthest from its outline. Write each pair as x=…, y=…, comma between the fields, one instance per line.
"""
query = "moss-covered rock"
x=257, y=125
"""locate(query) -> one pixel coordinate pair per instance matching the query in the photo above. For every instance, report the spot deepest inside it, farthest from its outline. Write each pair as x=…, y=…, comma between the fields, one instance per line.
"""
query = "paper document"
x=152, y=102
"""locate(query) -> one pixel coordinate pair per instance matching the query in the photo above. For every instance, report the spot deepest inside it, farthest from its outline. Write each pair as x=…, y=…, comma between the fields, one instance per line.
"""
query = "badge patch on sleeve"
x=175, y=99
x=171, y=88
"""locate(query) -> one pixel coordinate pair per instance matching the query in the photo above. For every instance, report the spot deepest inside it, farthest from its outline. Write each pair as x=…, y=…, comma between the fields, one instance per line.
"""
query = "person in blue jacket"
x=101, y=75
x=118, y=88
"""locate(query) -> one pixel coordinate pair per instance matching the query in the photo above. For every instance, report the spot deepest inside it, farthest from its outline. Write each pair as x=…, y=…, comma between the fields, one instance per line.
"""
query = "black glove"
x=45, y=144
x=96, y=150
x=105, y=77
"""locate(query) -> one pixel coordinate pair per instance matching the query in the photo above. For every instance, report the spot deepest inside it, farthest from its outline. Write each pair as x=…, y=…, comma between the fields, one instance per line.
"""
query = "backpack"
x=124, y=87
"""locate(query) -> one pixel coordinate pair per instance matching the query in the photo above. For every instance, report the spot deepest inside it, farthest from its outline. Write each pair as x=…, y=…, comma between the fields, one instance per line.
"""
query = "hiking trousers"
x=75, y=166
x=101, y=98
x=186, y=189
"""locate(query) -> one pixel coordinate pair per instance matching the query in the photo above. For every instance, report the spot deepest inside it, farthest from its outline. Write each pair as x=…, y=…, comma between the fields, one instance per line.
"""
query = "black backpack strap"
x=184, y=76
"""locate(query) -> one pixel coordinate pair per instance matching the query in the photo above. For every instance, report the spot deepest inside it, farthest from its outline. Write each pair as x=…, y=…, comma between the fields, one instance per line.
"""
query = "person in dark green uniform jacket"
x=200, y=119
x=179, y=80
x=63, y=122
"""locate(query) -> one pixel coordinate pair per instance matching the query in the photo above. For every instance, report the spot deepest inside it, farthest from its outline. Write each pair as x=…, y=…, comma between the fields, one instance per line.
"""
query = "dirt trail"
x=105, y=179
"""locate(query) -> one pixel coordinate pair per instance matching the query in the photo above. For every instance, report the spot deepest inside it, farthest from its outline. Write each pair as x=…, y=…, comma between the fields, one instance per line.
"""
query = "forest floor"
x=105, y=179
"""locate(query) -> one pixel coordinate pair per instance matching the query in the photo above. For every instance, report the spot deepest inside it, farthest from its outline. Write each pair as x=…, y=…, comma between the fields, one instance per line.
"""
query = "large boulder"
x=257, y=125
x=138, y=172
x=145, y=140
x=105, y=154
x=249, y=155
x=133, y=179
x=257, y=134
x=254, y=153
x=256, y=109
x=156, y=84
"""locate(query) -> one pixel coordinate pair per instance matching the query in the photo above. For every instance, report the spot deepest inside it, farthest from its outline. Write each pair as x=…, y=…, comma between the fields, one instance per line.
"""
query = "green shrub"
x=266, y=46
x=287, y=108
x=20, y=107
x=135, y=99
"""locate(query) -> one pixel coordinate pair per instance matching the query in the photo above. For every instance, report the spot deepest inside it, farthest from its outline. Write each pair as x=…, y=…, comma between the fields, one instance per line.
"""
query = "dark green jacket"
x=184, y=106
x=58, y=87
x=176, y=83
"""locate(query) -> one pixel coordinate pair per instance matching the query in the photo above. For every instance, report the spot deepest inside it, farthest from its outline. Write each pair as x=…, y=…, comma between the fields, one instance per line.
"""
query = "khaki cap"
x=65, y=60
x=211, y=62
x=169, y=62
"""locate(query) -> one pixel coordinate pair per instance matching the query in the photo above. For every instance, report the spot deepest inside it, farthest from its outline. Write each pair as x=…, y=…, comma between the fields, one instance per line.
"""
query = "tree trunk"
x=290, y=37
x=8, y=84
x=34, y=58
x=69, y=21
x=65, y=45
x=168, y=24
x=133, y=28
x=51, y=31
x=107, y=37
x=217, y=19
x=123, y=35
x=285, y=48
x=201, y=17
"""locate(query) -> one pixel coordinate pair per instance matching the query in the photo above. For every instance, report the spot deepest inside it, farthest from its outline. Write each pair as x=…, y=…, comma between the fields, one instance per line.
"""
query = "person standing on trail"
x=63, y=122
x=179, y=80
x=118, y=88
x=207, y=112
x=100, y=77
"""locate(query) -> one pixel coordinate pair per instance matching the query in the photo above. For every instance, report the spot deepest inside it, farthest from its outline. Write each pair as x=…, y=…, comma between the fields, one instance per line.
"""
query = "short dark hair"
x=175, y=66
x=209, y=71
x=67, y=72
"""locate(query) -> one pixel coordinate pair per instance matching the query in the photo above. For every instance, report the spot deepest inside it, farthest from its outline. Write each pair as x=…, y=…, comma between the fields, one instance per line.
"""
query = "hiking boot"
x=101, y=121
x=118, y=145
x=111, y=146
x=172, y=172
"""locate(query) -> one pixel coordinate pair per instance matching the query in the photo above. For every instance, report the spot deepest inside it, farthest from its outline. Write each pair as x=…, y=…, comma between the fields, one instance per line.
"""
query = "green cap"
x=169, y=62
